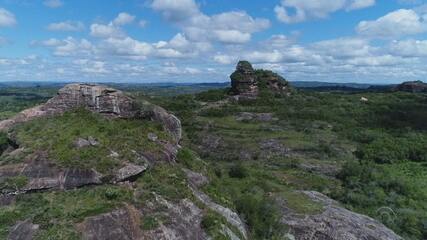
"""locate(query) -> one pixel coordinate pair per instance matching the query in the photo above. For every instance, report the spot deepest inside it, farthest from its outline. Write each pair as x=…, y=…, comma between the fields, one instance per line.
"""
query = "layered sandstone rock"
x=247, y=82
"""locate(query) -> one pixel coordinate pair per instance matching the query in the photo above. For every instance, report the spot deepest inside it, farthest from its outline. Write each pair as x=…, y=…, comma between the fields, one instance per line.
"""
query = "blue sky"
x=366, y=41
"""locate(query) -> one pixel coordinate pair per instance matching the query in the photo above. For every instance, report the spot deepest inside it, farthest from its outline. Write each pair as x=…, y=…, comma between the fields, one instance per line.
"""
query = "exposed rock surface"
x=271, y=148
x=44, y=175
x=23, y=231
x=40, y=174
x=97, y=98
x=183, y=221
x=333, y=223
x=123, y=224
x=129, y=171
x=261, y=117
x=82, y=142
x=414, y=87
x=231, y=217
x=246, y=82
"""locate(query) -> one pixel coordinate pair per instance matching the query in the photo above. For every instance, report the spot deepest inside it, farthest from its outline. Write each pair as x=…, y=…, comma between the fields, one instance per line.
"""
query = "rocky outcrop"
x=244, y=80
x=23, y=231
x=180, y=221
x=121, y=224
x=413, y=87
x=183, y=220
x=231, y=217
x=333, y=223
x=129, y=171
x=101, y=99
x=260, y=117
x=44, y=175
x=246, y=83
x=38, y=173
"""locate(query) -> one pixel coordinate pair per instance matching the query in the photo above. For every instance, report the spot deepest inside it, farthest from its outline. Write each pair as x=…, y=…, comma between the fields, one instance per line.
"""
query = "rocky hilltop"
x=414, y=87
x=42, y=172
x=101, y=99
x=248, y=82
x=95, y=163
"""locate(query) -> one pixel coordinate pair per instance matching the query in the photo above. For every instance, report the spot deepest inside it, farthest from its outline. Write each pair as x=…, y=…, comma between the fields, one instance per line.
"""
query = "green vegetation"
x=56, y=135
x=57, y=212
x=380, y=144
x=165, y=180
x=371, y=156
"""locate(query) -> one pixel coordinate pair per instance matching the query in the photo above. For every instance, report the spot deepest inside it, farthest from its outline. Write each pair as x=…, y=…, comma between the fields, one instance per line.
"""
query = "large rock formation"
x=247, y=82
x=414, y=87
x=333, y=223
x=36, y=171
x=101, y=99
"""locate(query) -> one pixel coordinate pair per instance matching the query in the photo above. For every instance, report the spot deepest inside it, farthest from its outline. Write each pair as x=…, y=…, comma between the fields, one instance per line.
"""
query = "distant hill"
x=170, y=88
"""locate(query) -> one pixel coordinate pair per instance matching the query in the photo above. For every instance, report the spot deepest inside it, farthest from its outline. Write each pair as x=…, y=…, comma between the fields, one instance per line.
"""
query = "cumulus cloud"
x=409, y=48
x=67, y=47
x=235, y=27
x=395, y=24
x=7, y=19
x=105, y=31
x=67, y=26
x=176, y=10
x=360, y=4
x=311, y=9
x=344, y=47
x=123, y=19
x=113, y=28
x=53, y=3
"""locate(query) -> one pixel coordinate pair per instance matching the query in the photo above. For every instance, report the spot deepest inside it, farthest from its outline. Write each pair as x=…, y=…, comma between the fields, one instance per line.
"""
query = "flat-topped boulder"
x=248, y=82
x=413, y=86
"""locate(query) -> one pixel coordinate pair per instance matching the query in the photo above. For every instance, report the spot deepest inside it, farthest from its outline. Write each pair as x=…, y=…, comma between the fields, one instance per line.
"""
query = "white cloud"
x=127, y=47
x=53, y=3
x=123, y=19
x=176, y=10
x=105, y=31
x=232, y=36
x=112, y=29
x=225, y=59
x=359, y=4
x=7, y=19
x=312, y=9
x=95, y=67
x=382, y=60
x=265, y=57
x=67, y=47
x=228, y=27
x=409, y=48
x=344, y=47
x=398, y=23
x=69, y=26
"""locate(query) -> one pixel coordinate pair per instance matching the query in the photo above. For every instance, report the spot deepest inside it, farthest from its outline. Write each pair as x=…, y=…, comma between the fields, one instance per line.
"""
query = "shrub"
x=238, y=171
x=261, y=215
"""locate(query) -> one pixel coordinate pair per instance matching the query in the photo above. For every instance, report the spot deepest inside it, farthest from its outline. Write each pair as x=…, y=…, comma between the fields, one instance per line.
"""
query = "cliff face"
x=247, y=82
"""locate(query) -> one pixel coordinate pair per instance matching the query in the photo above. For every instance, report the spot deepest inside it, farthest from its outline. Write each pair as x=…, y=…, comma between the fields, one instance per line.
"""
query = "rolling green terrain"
x=379, y=150
x=371, y=156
